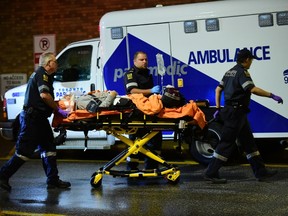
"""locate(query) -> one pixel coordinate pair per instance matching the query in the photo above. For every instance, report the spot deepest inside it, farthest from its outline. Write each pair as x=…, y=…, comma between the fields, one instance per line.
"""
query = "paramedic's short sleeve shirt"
x=237, y=83
x=39, y=82
x=135, y=78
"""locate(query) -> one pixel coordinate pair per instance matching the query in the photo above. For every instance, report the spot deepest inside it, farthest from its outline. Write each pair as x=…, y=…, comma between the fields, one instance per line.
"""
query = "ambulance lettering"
x=225, y=55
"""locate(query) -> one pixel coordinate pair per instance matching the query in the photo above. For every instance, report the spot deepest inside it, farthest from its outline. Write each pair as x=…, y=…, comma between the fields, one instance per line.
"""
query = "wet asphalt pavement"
x=154, y=196
x=242, y=195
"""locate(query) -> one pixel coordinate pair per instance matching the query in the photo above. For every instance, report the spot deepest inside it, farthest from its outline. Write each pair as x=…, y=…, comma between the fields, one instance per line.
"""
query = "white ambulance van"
x=198, y=43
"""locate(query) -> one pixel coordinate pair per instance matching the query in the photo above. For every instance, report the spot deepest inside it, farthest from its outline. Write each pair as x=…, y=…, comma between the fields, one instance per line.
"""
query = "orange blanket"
x=148, y=105
x=153, y=106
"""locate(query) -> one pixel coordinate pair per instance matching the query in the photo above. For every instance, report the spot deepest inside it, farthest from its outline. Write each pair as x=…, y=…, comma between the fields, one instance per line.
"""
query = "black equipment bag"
x=172, y=98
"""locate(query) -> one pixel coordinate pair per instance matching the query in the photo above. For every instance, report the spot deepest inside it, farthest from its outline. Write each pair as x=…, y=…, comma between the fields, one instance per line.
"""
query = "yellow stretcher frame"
x=121, y=126
x=170, y=172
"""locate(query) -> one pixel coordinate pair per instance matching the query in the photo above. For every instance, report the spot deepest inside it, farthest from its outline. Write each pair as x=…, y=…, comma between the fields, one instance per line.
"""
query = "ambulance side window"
x=74, y=64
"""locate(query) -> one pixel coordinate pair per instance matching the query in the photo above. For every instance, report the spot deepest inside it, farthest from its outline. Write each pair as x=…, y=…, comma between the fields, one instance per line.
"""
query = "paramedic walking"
x=139, y=80
x=238, y=86
x=35, y=130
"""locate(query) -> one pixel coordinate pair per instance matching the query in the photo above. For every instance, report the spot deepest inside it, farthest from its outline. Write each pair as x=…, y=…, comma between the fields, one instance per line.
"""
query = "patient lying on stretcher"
x=93, y=101
x=171, y=98
x=151, y=105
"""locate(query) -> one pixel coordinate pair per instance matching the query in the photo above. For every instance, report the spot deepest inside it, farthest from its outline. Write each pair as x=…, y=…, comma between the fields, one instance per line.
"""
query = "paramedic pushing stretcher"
x=238, y=86
x=35, y=129
x=139, y=80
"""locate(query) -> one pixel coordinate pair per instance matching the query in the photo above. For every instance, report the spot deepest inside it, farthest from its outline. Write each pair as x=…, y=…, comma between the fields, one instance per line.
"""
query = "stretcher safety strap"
x=253, y=154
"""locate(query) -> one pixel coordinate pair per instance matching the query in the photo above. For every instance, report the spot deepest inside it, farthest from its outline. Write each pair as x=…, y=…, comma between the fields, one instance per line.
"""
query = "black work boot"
x=215, y=179
x=260, y=171
x=58, y=184
x=151, y=164
x=8, y=169
x=212, y=173
x=132, y=162
x=51, y=170
x=132, y=166
x=266, y=175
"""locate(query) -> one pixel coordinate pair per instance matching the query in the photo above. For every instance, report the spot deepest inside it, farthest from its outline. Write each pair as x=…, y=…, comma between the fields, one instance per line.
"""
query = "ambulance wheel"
x=96, y=180
x=202, y=148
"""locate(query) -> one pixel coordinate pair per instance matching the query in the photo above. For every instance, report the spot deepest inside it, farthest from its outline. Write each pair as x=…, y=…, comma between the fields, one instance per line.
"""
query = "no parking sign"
x=43, y=43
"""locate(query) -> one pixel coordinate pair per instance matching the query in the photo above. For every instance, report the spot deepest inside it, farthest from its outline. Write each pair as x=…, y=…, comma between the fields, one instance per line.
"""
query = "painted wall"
x=69, y=20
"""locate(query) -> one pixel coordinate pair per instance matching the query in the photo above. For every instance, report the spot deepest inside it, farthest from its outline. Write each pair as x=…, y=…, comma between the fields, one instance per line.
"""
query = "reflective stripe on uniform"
x=131, y=84
x=47, y=154
x=43, y=87
x=22, y=157
x=253, y=154
x=247, y=83
x=220, y=157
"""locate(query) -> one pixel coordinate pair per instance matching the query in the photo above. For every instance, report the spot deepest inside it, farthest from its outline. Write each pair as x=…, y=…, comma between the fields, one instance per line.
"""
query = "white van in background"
x=78, y=73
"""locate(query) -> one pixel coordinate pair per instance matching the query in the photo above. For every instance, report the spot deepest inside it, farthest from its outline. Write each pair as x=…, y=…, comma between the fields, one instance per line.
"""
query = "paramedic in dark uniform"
x=35, y=130
x=139, y=80
x=238, y=86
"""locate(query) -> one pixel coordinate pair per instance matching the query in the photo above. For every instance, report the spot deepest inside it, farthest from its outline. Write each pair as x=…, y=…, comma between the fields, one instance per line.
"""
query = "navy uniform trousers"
x=35, y=132
x=236, y=126
x=154, y=144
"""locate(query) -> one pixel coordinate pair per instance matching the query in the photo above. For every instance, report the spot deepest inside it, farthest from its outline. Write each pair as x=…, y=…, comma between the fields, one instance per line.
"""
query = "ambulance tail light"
x=4, y=109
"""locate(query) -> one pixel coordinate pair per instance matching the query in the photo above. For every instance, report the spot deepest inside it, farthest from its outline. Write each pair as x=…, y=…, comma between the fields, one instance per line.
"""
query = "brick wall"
x=69, y=20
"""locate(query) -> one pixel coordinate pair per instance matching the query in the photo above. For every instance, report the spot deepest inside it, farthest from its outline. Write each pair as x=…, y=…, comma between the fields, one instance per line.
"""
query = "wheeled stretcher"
x=124, y=121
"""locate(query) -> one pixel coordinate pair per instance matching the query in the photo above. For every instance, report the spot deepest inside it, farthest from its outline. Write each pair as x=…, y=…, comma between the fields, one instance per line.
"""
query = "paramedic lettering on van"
x=176, y=68
x=139, y=80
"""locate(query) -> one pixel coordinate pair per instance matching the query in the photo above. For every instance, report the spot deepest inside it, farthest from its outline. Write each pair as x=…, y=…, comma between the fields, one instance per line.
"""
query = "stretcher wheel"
x=96, y=180
x=174, y=177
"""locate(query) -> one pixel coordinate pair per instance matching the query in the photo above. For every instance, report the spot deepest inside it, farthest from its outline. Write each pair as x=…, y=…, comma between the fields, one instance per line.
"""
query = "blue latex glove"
x=155, y=89
x=276, y=98
x=63, y=113
x=216, y=114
